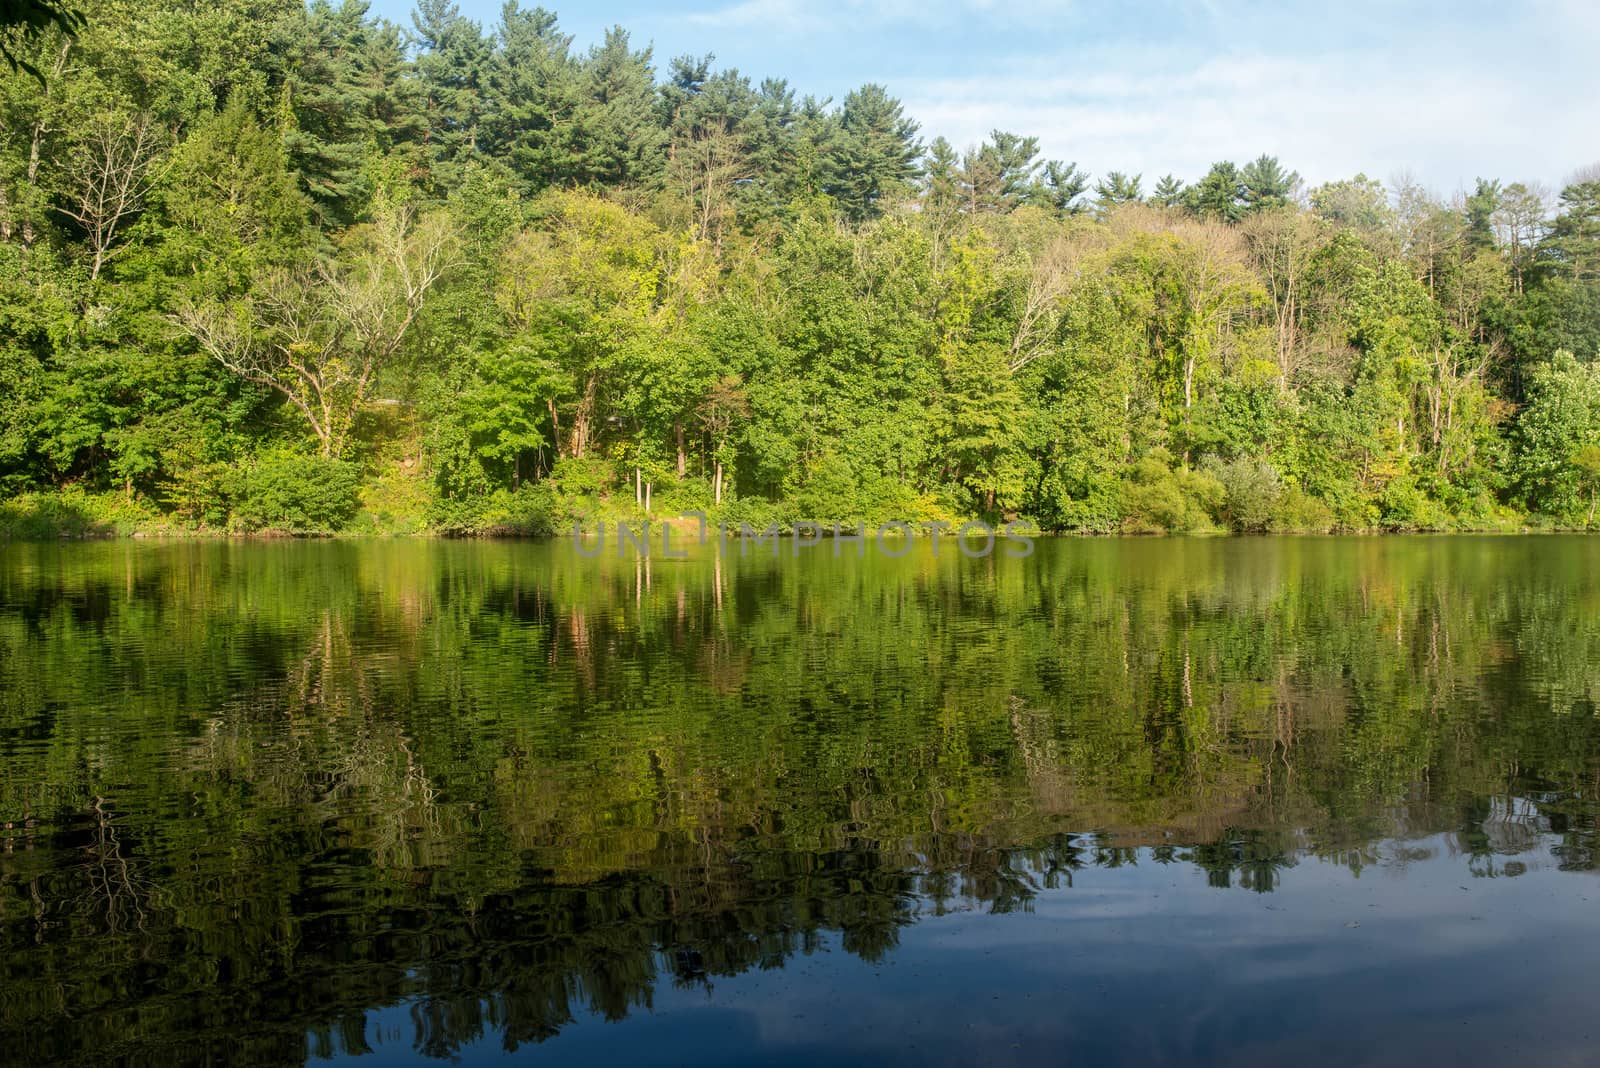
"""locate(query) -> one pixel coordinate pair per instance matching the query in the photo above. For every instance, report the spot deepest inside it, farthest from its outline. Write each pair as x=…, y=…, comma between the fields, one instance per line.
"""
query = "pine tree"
x=1169, y=192
x=1062, y=185
x=771, y=142
x=451, y=62
x=1572, y=249
x=1266, y=184
x=1001, y=174
x=621, y=141
x=817, y=151
x=711, y=144
x=345, y=98
x=941, y=180
x=1219, y=195
x=1116, y=188
x=1478, y=214
x=533, y=94
x=877, y=152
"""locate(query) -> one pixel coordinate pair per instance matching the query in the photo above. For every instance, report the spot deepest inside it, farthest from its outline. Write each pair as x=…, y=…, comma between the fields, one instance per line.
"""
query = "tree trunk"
x=1286, y=339
x=580, y=421
x=39, y=131
x=683, y=458
x=718, y=489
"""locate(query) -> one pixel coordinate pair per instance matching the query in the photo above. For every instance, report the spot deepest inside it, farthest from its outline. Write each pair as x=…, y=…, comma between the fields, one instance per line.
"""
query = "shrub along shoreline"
x=536, y=512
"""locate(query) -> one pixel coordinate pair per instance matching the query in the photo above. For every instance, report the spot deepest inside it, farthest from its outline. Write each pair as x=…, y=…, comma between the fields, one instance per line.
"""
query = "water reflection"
x=254, y=792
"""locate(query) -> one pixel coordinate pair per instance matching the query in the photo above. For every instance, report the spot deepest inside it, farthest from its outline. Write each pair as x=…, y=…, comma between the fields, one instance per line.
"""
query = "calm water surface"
x=1249, y=801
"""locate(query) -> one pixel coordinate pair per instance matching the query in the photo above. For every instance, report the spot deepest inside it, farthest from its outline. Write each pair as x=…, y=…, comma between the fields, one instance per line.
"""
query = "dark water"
x=1255, y=801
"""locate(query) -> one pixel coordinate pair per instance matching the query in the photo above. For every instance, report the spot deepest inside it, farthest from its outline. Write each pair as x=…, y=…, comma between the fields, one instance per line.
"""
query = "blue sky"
x=1445, y=91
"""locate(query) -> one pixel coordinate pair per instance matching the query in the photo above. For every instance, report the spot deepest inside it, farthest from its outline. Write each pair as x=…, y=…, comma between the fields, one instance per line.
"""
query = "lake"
x=1125, y=801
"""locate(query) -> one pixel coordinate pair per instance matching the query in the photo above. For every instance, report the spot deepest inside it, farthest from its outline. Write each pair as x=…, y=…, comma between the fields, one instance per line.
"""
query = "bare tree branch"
x=320, y=337
x=109, y=174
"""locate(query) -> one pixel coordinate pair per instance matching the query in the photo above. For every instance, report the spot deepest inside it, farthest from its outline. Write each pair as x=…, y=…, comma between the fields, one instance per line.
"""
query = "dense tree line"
x=272, y=266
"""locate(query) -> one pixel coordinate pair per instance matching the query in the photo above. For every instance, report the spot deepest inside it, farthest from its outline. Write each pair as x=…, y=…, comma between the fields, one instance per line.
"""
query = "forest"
x=286, y=268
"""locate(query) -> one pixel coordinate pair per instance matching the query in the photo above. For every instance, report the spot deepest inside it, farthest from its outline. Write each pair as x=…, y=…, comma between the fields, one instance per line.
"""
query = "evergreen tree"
x=533, y=95
x=1478, y=214
x=817, y=147
x=346, y=103
x=877, y=152
x=1169, y=192
x=1219, y=195
x=1572, y=249
x=711, y=144
x=450, y=66
x=1116, y=188
x=1061, y=186
x=621, y=141
x=1000, y=174
x=770, y=143
x=941, y=176
x=1266, y=185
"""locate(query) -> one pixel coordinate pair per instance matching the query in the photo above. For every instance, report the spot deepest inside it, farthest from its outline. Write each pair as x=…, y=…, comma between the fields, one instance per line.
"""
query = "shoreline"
x=825, y=537
x=42, y=519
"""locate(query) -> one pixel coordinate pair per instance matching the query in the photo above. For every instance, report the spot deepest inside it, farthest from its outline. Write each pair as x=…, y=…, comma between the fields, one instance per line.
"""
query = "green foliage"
x=319, y=762
x=395, y=500
x=469, y=259
x=1404, y=506
x=72, y=513
x=878, y=152
x=1297, y=512
x=1251, y=493
x=1556, y=432
x=1267, y=185
x=531, y=511
x=1157, y=498
x=1360, y=203
x=296, y=493
x=1220, y=195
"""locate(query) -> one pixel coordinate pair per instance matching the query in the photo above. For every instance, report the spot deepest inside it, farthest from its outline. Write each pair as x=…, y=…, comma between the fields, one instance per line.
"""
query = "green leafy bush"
x=1157, y=498
x=394, y=501
x=755, y=511
x=1297, y=512
x=72, y=513
x=1250, y=493
x=296, y=493
x=1555, y=473
x=1404, y=506
x=533, y=511
x=829, y=491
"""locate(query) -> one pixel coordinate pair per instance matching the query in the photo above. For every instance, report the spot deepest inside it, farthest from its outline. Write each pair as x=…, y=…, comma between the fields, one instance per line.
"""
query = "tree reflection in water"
x=249, y=792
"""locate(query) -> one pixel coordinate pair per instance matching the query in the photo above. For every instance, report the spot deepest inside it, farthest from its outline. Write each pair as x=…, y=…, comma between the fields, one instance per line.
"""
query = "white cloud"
x=1449, y=91
x=1327, y=116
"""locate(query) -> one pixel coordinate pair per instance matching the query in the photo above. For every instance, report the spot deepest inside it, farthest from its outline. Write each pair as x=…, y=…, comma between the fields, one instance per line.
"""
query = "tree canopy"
x=471, y=278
